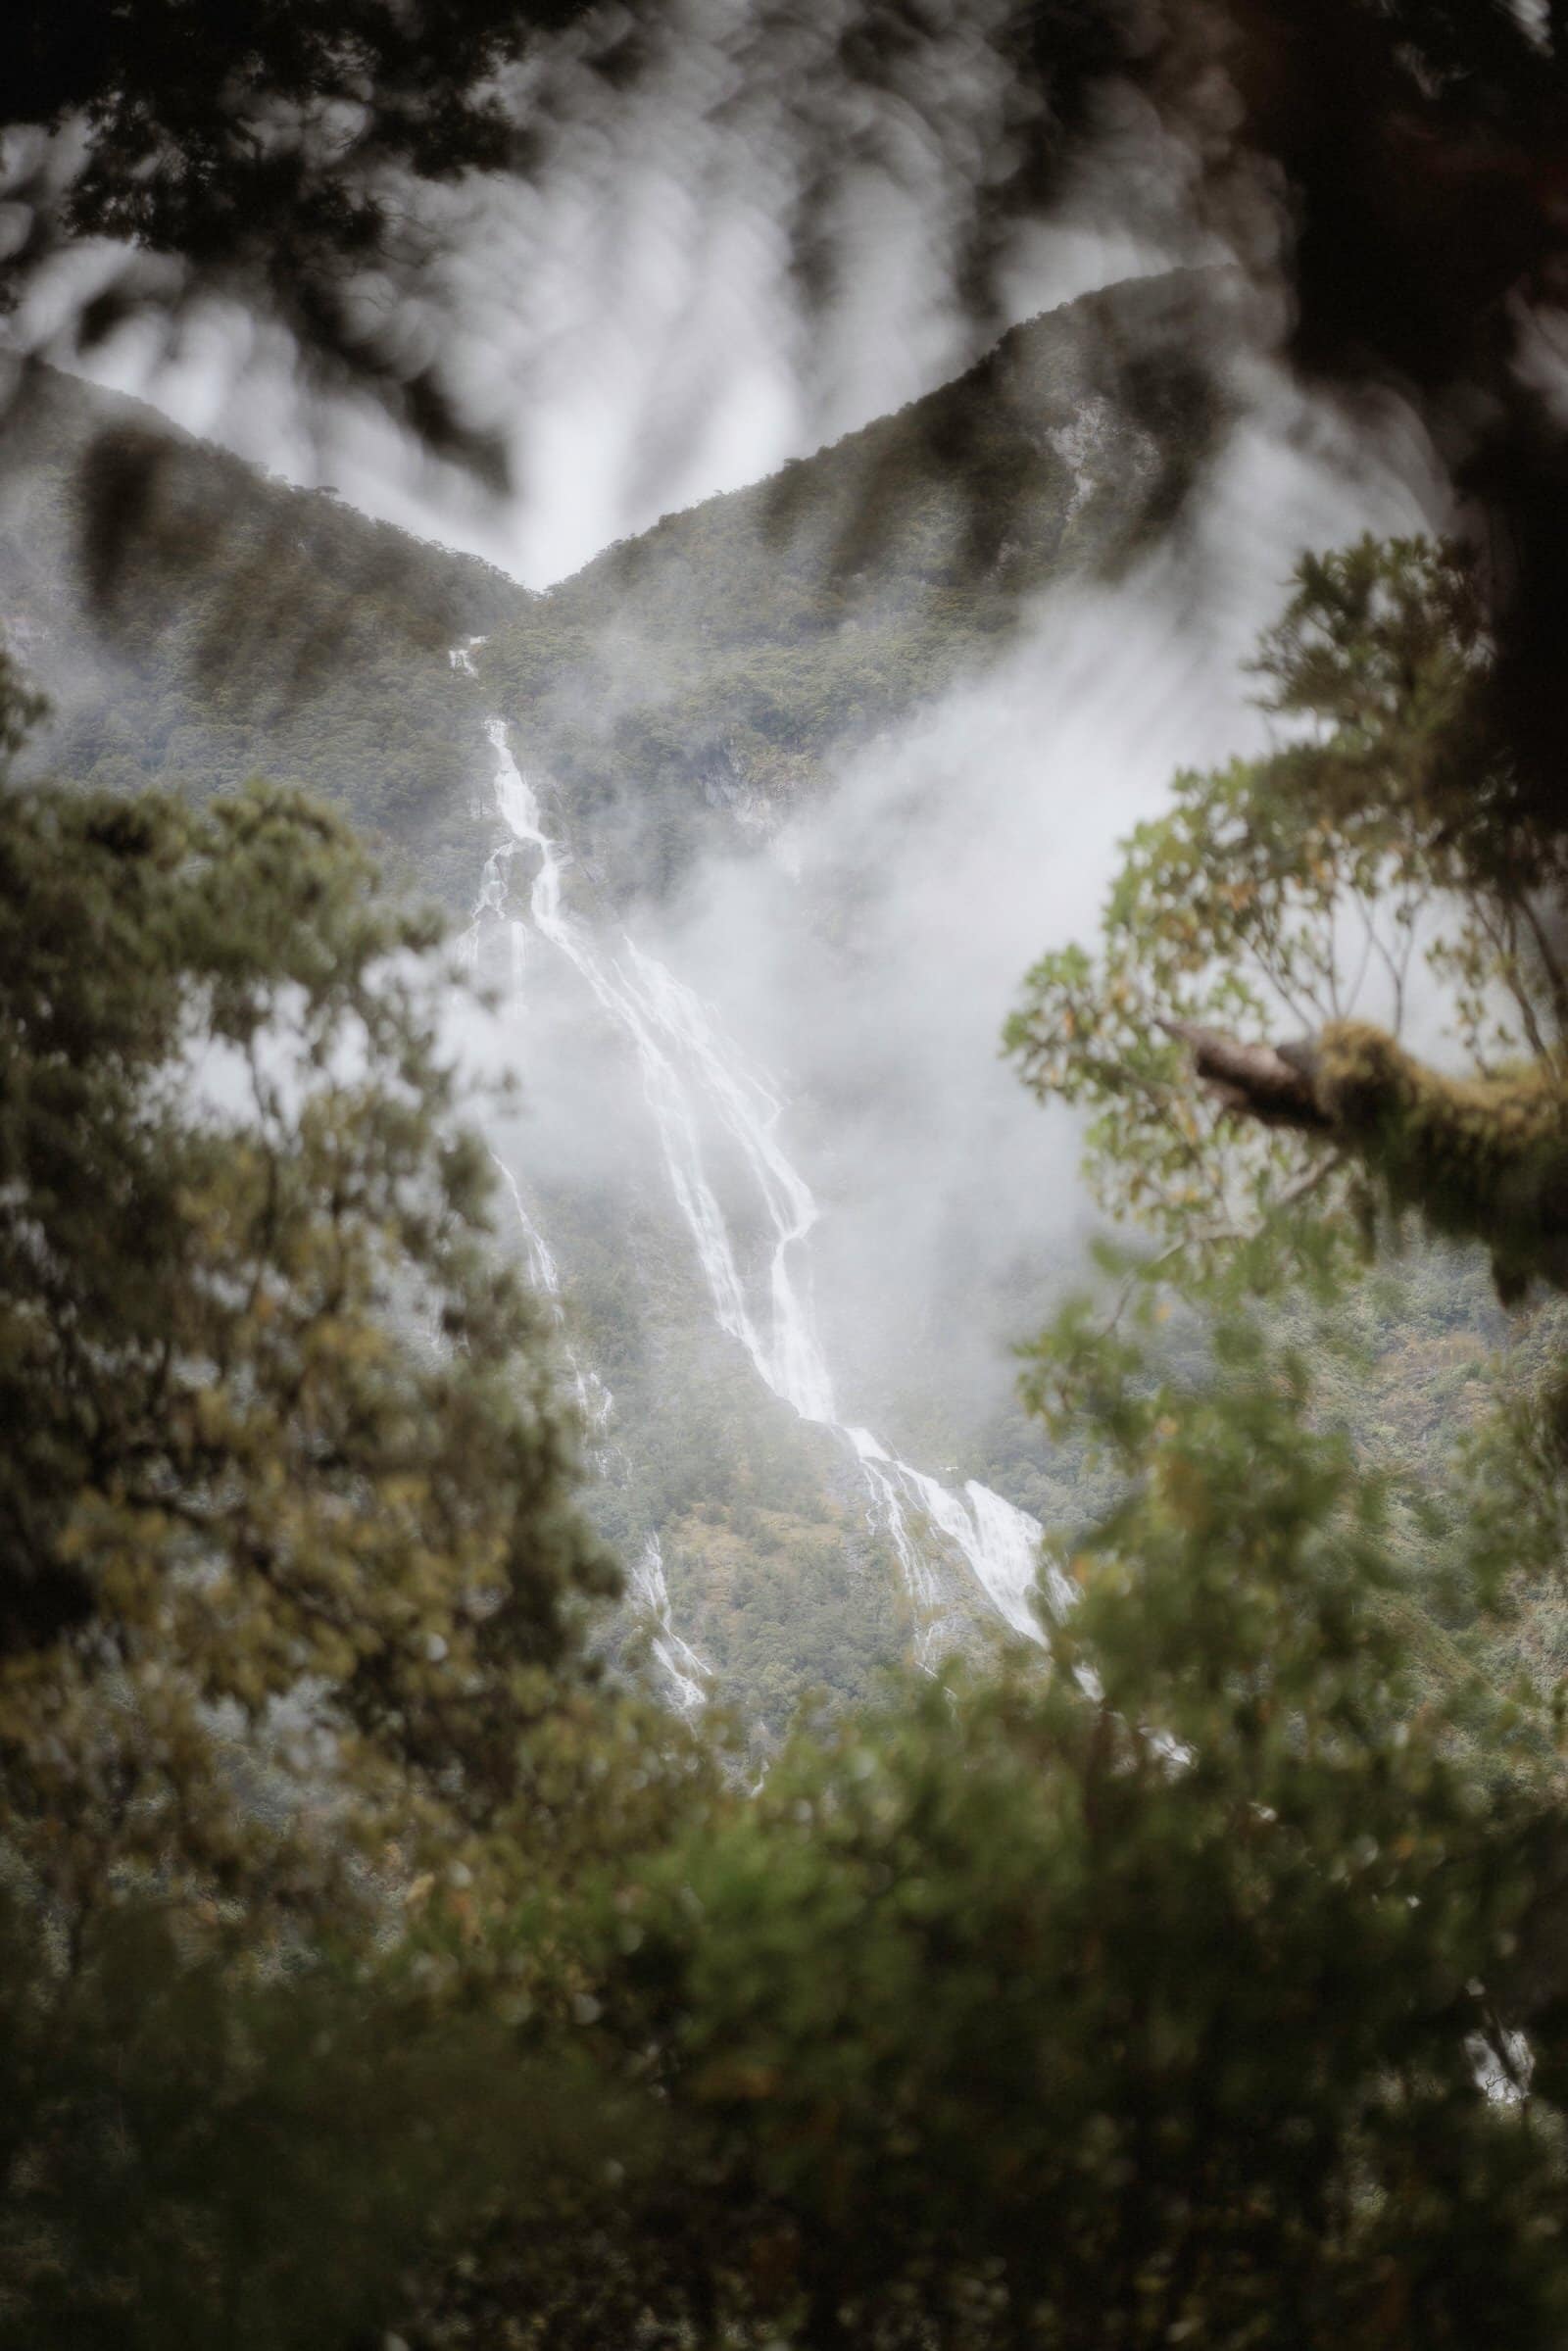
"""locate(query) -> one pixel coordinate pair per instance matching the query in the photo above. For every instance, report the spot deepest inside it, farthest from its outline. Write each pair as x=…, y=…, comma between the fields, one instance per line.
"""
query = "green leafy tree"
x=286, y=1499
x=1148, y=2001
x=1380, y=846
x=1378, y=854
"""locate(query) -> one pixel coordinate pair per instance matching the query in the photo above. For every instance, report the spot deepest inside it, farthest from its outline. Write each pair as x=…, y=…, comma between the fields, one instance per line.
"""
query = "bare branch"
x=1255, y=1081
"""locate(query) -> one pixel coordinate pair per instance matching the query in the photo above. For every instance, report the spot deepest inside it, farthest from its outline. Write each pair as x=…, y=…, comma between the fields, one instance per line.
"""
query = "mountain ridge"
x=677, y=696
x=195, y=621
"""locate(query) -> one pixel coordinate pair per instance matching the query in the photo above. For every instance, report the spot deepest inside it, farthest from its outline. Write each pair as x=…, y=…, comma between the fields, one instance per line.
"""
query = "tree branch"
x=1255, y=1081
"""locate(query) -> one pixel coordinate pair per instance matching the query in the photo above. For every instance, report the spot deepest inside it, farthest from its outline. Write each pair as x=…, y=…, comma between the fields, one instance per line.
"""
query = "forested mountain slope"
x=718, y=659
x=242, y=626
x=678, y=695
x=246, y=627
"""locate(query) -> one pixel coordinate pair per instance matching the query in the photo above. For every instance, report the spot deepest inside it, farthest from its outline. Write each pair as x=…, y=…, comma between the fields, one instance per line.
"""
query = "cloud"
x=870, y=958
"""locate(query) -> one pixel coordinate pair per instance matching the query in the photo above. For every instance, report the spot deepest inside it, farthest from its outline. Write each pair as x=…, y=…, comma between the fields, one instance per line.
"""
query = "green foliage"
x=1137, y=2003
x=1382, y=832
x=1025, y=2016
x=1270, y=892
x=1383, y=651
x=1311, y=1580
x=783, y=1604
x=1374, y=844
x=280, y=1456
x=727, y=650
x=1186, y=936
x=194, y=2157
x=294, y=1689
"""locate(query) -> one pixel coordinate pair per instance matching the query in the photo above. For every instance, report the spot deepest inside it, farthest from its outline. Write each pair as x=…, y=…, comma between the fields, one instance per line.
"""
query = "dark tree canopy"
x=1424, y=156
x=268, y=149
x=1397, y=170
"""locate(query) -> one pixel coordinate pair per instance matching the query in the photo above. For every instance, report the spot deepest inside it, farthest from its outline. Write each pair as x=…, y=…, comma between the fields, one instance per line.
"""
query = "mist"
x=864, y=947
x=636, y=325
x=724, y=264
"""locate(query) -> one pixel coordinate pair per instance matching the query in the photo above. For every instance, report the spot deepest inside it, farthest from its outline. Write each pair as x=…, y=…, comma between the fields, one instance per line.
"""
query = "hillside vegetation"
x=242, y=627
x=717, y=662
x=195, y=623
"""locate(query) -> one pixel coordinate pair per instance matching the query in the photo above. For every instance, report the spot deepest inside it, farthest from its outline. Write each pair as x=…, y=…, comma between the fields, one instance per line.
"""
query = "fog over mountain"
x=784, y=1175
x=754, y=826
x=632, y=317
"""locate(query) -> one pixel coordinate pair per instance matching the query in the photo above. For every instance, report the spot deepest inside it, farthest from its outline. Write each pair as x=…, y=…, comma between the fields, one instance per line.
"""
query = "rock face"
x=558, y=767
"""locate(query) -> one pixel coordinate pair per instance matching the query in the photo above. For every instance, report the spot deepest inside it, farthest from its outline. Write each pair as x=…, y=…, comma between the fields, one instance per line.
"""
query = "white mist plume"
x=915, y=1198
x=873, y=957
x=630, y=317
x=693, y=1078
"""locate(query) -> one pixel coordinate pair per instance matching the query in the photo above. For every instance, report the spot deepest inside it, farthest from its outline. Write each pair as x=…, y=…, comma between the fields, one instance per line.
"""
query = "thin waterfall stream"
x=690, y=1069
x=688, y=1675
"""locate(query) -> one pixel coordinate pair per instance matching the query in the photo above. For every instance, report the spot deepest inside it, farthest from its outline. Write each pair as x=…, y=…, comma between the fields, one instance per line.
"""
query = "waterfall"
x=685, y=1669
x=687, y=1066
x=594, y=1400
x=687, y=1673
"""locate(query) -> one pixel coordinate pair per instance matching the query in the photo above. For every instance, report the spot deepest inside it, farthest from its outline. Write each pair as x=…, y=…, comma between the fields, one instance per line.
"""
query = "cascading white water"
x=684, y=1061
x=687, y=1673
x=789, y=1358
x=685, y=1669
x=594, y=1400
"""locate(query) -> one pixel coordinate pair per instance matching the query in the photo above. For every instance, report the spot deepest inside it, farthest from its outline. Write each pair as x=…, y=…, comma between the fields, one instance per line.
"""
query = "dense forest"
x=527, y=1823
x=449, y=1980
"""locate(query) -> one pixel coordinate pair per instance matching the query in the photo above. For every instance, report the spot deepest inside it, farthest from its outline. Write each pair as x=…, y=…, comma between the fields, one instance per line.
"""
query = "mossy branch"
x=1479, y=1159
